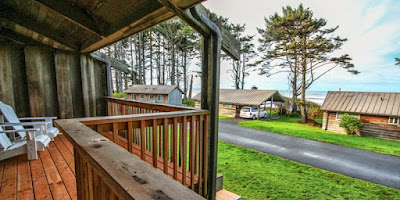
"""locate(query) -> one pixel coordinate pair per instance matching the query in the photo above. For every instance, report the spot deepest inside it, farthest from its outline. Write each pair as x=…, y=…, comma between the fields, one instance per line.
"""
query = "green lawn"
x=255, y=175
x=289, y=126
x=225, y=117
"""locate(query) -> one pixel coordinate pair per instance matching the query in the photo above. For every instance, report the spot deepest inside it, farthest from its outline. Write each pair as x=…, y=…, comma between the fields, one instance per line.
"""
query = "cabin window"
x=394, y=120
x=229, y=106
x=141, y=96
x=340, y=115
x=151, y=96
x=134, y=96
x=160, y=97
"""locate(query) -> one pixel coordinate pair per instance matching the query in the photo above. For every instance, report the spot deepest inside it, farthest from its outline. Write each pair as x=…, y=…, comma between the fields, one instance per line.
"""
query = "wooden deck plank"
x=40, y=184
x=9, y=183
x=54, y=179
x=2, y=163
x=66, y=143
x=65, y=171
x=24, y=181
x=226, y=195
x=67, y=155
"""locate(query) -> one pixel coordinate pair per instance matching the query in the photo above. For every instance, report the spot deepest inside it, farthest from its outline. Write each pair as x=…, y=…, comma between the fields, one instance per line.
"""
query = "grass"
x=255, y=175
x=225, y=117
x=289, y=126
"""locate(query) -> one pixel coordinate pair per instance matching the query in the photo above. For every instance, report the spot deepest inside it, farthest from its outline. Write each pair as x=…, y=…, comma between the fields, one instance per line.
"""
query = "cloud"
x=372, y=28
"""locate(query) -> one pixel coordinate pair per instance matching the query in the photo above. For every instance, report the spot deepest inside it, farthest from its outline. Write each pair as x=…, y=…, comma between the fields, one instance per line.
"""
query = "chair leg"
x=31, y=145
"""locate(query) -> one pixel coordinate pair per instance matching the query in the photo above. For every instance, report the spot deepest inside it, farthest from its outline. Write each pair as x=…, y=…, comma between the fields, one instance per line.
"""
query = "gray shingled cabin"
x=232, y=100
x=379, y=112
x=167, y=94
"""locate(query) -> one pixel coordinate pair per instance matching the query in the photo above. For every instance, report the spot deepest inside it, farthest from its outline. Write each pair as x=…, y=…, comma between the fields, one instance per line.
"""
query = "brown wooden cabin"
x=232, y=100
x=378, y=111
x=47, y=71
x=167, y=94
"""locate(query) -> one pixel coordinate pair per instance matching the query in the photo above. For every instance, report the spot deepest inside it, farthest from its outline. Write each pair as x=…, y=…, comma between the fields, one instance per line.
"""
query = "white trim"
x=394, y=119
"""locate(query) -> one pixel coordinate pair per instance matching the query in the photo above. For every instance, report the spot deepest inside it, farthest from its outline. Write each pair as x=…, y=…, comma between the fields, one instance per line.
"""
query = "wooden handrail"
x=105, y=169
x=155, y=137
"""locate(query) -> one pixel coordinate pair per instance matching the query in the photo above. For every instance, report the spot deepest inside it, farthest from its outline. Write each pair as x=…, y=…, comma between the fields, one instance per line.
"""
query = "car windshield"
x=246, y=109
x=254, y=109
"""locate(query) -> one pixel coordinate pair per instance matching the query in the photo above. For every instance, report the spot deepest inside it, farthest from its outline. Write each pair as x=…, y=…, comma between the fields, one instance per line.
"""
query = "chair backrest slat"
x=4, y=140
x=11, y=117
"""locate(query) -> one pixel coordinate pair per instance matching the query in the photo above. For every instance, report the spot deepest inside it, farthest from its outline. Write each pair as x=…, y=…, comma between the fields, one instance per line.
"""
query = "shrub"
x=119, y=95
x=350, y=123
x=315, y=113
x=188, y=102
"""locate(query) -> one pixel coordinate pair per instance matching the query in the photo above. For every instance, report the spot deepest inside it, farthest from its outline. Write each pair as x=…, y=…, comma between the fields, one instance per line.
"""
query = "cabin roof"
x=371, y=103
x=84, y=25
x=246, y=97
x=152, y=89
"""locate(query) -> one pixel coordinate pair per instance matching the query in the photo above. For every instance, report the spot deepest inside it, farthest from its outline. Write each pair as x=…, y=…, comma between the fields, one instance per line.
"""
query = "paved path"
x=374, y=167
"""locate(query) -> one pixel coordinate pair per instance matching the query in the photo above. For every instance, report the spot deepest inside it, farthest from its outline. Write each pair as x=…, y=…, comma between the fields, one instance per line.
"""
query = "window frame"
x=151, y=96
x=160, y=99
x=141, y=96
x=133, y=96
x=394, y=119
x=227, y=106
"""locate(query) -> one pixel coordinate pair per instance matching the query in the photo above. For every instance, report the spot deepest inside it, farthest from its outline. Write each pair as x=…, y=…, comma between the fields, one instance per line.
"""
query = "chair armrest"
x=37, y=118
x=24, y=130
x=25, y=123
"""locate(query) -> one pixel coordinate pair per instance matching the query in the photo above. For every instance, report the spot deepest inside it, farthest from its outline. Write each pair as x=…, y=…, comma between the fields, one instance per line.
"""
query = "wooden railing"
x=117, y=106
x=104, y=170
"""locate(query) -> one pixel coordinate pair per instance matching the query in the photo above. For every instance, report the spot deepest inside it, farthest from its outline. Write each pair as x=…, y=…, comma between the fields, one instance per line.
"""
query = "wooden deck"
x=52, y=175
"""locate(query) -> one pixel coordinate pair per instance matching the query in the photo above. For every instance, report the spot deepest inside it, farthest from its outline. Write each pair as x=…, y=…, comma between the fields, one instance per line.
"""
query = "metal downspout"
x=211, y=94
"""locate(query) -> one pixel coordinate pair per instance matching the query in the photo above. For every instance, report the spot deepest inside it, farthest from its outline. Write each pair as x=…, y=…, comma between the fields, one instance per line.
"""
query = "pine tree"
x=397, y=61
x=299, y=44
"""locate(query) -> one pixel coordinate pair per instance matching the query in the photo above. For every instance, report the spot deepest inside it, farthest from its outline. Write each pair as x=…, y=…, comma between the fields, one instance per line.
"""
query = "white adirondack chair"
x=10, y=149
x=45, y=123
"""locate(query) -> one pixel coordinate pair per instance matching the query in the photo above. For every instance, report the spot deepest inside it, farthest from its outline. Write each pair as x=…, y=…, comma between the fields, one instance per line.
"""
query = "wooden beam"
x=74, y=14
x=230, y=45
x=9, y=17
x=115, y=63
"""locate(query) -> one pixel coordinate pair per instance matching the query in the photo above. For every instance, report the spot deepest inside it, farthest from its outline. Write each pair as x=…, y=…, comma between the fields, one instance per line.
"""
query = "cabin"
x=378, y=111
x=167, y=94
x=107, y=148
x=232, y=100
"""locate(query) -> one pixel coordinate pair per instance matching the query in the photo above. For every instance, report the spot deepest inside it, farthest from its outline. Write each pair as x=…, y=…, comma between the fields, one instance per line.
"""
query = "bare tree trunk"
x=133, y=74
x=243, y=70
x=190, y=87
x=159, y=61
x=172, y=63
x=140, y=59
x=143, y=60
x=185, y=74
x=151, y=57
x=303, y=109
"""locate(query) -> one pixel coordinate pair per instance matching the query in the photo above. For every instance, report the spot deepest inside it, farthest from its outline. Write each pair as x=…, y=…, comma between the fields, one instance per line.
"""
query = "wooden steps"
x=226, y=195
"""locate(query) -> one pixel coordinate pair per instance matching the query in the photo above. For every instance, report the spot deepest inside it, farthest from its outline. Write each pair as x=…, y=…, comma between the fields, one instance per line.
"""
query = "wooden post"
x=259, y=109
x=85, y=92
x=210, y=101
x=270, y=108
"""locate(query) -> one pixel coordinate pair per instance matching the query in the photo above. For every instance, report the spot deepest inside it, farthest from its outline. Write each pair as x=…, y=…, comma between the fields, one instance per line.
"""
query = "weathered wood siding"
x=41, y=81
x=175, y=97
x=375, y=126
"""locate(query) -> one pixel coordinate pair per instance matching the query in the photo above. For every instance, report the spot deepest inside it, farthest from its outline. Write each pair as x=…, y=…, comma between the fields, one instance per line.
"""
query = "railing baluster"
x=142, y=140
x=165, y=145
x=191, y=151
x=155, y=147
x=175, y=147
x=205, y=154
x=201, y=155
x=184, y=148
x=115, y=133
x=130, y=137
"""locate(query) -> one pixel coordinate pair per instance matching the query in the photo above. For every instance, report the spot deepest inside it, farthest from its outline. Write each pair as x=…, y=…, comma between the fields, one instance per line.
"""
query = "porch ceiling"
x=80, y=25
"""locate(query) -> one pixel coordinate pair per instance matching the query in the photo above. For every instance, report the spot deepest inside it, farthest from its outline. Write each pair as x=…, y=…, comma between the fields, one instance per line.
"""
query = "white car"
x=252, y=113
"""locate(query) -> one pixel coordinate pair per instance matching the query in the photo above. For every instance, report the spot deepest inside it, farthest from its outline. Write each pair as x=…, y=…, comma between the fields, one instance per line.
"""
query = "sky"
x=372, y=28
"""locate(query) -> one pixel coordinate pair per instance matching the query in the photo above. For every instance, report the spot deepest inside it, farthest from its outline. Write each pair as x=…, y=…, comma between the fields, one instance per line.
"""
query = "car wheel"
x=254, y=117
